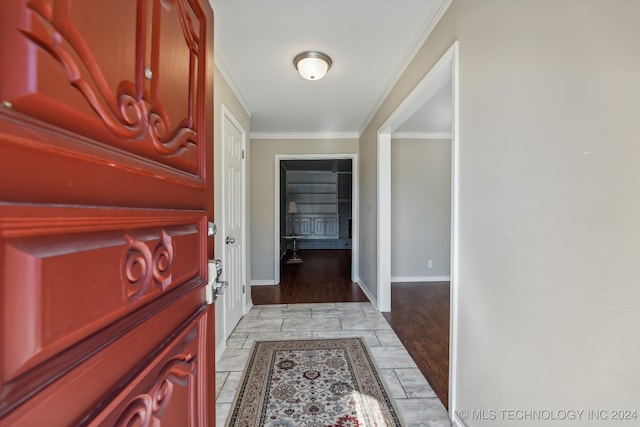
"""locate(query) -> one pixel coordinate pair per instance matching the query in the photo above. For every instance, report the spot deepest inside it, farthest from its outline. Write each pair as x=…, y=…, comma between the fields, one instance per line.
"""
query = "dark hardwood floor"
x=420, y=317
x=419, y=311
x=324, y=276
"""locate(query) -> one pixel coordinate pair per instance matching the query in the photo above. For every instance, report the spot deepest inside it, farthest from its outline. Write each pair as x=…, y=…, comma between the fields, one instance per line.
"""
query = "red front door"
x=105, y=192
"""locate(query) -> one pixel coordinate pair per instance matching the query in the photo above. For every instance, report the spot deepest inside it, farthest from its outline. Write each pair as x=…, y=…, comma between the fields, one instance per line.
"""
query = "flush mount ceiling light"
x=312, y=65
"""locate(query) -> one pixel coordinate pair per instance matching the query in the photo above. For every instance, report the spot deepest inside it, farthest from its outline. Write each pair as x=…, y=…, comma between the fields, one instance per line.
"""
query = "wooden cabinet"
x=106, y=171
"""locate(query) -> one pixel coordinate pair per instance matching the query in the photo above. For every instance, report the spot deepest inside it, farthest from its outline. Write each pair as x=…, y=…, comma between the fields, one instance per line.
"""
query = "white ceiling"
x=370, y=42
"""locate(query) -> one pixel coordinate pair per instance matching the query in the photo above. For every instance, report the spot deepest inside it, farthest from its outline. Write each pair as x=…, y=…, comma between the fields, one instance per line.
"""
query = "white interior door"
x=233, y=169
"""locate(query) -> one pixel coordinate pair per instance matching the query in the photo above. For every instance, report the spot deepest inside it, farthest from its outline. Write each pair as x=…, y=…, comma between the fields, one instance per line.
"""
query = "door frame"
x=445, y=69
x=355, y=247
x=226, y=114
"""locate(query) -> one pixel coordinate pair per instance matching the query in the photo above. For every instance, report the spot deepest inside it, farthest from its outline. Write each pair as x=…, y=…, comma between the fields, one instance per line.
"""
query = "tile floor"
x=416, y=401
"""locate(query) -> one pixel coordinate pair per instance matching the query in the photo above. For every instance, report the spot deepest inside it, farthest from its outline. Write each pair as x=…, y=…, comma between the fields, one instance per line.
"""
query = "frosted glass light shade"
x=312, y=65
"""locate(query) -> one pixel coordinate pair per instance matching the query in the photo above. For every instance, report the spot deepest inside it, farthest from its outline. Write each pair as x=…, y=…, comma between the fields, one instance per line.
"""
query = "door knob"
x=230, y=240
x=211, y=229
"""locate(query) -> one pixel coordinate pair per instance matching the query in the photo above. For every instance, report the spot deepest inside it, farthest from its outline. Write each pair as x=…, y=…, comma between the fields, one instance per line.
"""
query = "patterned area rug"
x=312, y=383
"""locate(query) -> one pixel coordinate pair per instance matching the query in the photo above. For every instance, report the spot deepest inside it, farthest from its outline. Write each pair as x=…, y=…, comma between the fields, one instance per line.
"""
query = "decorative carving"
x=146, y=410
x=128, y=113
x=162, y=260
x=141, y=266
x=137, y=266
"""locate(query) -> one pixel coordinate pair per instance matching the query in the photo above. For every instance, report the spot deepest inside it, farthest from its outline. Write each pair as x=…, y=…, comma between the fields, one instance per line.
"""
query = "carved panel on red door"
x=165, y=393
x=168, y=342
x=82, y=269
x=134, y=81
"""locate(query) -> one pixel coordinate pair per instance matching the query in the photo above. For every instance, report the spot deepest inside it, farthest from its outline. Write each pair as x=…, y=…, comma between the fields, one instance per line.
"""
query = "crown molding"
x=224, y=71
x=421, y=135
x=305, y=135
x=429, y=26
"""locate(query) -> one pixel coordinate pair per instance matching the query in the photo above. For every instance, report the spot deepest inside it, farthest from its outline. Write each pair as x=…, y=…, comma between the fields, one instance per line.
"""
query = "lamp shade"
x=312, y=65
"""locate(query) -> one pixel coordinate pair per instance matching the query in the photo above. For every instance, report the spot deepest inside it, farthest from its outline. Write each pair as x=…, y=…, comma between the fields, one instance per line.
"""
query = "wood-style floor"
x=419, y=311
x=420, y=317
x=323, y=276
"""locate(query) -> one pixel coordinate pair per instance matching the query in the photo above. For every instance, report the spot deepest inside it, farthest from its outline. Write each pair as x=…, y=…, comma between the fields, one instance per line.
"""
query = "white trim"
x=411, y=279
x=355, y=220
x=367, y=292
x=249, y=306
x=421, y=135
x=220, y=349
x=263, y=282
x=355, y=235
x=305, y=135
x=455, y=230
x=456, y=421
x=219, y=63
x=383, y=292
x=226, y=114
x=429, y=26
x=443, y=72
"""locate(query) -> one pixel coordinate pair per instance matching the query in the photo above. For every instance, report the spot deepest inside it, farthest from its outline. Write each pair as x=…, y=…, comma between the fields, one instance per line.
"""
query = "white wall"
x=223, y=95
x=549, y=230
x=420, y=209
x=263, y=194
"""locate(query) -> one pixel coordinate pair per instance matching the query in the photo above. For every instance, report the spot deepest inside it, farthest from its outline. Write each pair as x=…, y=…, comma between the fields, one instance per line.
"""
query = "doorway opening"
x=316, y=207
x=443, y=73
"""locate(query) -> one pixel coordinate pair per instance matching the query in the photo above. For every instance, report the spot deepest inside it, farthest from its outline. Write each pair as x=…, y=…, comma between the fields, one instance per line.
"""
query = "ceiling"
x=370, y=42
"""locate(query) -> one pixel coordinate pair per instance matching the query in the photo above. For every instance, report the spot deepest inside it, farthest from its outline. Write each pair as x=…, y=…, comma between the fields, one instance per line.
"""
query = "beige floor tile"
x=275, y=336
x=354, y=324
x=388, y=338
x=222, y=411
x=393, y=384
x=220, y=379
x=232, y=360
x=427, y=412
x=329, y=324
x=230, y=387
x=414, y=383
x=259, y=325
x=392, y=357
x=415, y=399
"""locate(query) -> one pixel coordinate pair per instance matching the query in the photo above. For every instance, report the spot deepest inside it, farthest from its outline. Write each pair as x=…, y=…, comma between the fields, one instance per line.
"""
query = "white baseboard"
x=248, y=306
x=457, y=422
x=367, y=293
x=220, y=349
x=263, y=282
x=400, y=279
